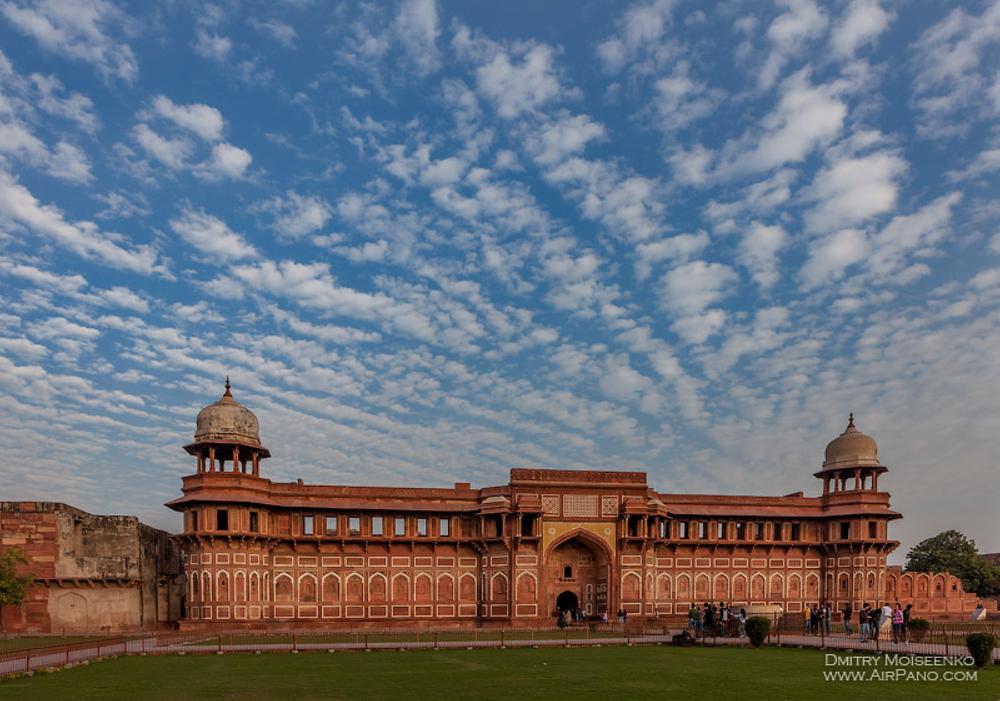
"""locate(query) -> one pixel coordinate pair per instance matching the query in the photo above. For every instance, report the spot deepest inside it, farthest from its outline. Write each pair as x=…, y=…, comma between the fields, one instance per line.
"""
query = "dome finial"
x=850, y=423
x=229, y=394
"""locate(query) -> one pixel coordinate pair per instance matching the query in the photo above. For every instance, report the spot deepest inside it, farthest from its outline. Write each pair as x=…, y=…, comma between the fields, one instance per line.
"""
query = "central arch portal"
x=577, y=576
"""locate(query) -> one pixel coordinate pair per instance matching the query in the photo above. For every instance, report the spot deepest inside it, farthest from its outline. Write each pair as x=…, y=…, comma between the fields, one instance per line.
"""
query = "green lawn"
x=560, y=673
x=42, y=641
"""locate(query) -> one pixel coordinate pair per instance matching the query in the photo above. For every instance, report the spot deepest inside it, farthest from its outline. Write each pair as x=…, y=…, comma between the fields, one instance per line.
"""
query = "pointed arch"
x=222, y=586
x=664, y=588
x=445, y=588
x=283, y=587
x=253, y=594
x=702, y=586
x=812, y=586
x=401, y=588
x=331, y=587
x=307, y=587
x=378, y=586
x=776, y=590
x=631, y=586
x=423, y=588
x=467, y=587
x=354, y=588
x=758, y=587
x=527, y=586
x=795, y=586
x=683, y=585
x=720, y=587
x=499, y=587
x=740, y=586
x=240, y=586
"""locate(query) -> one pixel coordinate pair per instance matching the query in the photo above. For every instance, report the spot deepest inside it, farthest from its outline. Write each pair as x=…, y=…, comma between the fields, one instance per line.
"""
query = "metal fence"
x=940, y=640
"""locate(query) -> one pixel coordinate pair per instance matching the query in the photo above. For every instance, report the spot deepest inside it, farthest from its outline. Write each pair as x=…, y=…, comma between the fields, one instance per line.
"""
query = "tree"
x=957, y=554
x=13, y=586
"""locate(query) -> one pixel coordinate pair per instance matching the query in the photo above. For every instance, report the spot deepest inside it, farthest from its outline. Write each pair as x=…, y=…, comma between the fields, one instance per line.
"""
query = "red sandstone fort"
x=257, y=552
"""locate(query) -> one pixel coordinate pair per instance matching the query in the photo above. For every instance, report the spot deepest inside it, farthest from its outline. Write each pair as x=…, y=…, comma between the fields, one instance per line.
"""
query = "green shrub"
x=757, y=629
x=981, y=647
x=917, y=628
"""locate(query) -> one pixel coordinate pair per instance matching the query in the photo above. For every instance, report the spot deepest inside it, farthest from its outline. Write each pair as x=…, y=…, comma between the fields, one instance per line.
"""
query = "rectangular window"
x=222, y=520
x=776, y=532
x=741, y=531
x=254, y=521
x=845, y=530
x=400, y=528
x=330, y=527
x=796, y=531
x=308, y=525
x=421, y=527
x=873, y=529
x=702, y=530
x=685, y=530
x=377, y=528
x=759, y=534
x=663, y=528
x=527, y=526
x=354, y=525
x=720, y=531
x=444, y=527
x=194, y=520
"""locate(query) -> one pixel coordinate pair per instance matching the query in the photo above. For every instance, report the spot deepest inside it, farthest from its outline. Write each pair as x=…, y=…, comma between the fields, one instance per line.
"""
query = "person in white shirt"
x=886, y=616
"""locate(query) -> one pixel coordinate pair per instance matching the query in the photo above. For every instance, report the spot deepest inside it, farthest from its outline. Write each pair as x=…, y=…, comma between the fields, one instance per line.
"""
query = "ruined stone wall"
x=92, y=573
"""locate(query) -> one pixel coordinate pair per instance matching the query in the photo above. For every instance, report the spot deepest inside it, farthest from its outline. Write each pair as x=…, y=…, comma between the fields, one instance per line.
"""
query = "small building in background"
x=92, y=573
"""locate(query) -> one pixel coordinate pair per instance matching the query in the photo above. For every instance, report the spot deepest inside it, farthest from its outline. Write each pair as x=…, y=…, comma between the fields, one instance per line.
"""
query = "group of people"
x=872, y=618
x=719, y=620
x=817, y=618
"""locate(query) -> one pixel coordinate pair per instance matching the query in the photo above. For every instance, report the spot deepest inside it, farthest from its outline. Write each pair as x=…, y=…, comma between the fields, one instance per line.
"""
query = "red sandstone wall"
x=35, y=532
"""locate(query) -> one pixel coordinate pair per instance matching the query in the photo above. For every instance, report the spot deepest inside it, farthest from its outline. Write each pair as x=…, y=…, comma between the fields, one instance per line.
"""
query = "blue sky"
x=430, y=242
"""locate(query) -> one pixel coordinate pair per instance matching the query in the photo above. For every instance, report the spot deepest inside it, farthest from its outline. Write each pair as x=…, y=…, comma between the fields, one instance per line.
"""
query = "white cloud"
x=77, y=29
x=227, y=161
x=173, y=153
x=621, y=381
x=203, y=120
x=679, y=100
x=908, y=235
x=555, y=141
x=516, y=87
x=861, y=24
x=803, y=20
x=678, y=248
x=950, y=71
x=416, y=25
x=807, y=116
x=18, y=205
x=689, y=289
x=125, y=298
x=282, y=32
x=852, y=190
x=829, y=257
x=210, y=235
x=759, y=252
x=641, y=27
x=297, y=215
x=212, y=46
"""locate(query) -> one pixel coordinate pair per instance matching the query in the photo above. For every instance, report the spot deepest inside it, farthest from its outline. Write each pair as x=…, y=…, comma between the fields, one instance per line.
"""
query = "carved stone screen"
x=579, y=505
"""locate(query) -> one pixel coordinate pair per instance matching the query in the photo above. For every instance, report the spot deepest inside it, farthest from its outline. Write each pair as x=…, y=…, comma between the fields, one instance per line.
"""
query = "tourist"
x=709, y=618
x=814, y=619
x=897, y=624
x=848, y=611
x=694, y=618
x=743, y=622
x=621, y=616
x=864, y=617
x=807, y=617
x=624, y=617
x=723, y=619
x=906, y=623
x=604, y=617
x=885, y=615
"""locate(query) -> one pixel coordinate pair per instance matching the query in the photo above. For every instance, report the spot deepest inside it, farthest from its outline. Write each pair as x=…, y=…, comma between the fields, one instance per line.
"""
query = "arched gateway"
x=577, y=575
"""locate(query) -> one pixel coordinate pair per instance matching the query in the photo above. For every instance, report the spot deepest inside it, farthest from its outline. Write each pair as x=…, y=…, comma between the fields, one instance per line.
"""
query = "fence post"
x=944, y=632
x=366, y=640
x=501, y=638
x=435, y=640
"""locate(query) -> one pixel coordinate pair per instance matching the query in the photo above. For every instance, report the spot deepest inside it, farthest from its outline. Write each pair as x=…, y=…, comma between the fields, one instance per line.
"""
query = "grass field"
x=523, y=674
x=41, y=641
